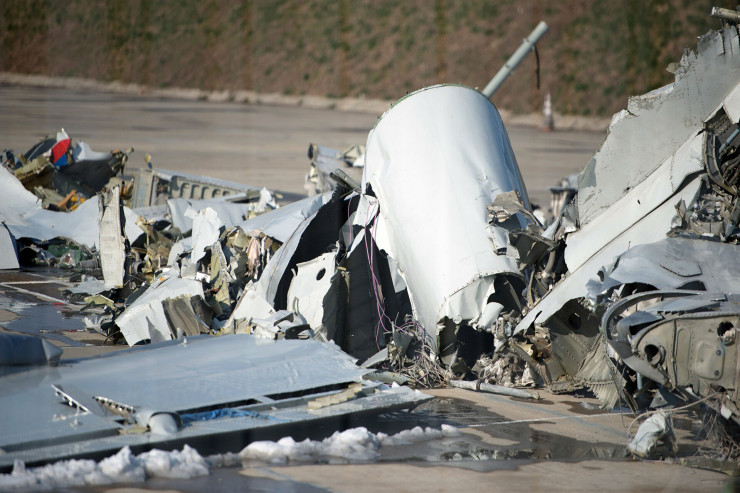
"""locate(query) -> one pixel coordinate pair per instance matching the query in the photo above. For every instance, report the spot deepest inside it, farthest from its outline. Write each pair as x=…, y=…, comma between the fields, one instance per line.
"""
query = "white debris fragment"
x=112, y=240
x=145, y=318
x=206, y=230
x=23, y=215
x=654, y=437
x=355, y=444
x=407, y=169
x=122, y=467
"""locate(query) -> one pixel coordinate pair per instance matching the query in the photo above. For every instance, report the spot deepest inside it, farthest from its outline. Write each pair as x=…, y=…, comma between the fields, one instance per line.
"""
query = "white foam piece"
x=355, y=444
x=124, y=467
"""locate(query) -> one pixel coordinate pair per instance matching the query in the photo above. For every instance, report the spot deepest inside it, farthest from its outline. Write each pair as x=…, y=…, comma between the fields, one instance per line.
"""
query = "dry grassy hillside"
x=595, y=55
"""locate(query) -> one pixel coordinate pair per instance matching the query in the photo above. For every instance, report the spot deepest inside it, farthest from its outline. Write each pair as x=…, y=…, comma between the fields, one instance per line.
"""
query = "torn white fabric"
x=655, y=436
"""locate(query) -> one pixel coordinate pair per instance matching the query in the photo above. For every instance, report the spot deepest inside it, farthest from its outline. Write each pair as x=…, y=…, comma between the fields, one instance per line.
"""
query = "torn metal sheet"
x=83, y=152
x=262, y=389
x=651, y=228
x=145, y=319
x=229, y=213
x=9, y=256
x=112, y=241
x=314, y=294
x=206, y=231
x=655, y=125
x=325, y=161
x=282, y=324
x=674, y=263
x=434, y=161
x=22, y=214
x=280, y=224
x=24, y=350
x=646, y=196
x=182, y=318
x=289, y=226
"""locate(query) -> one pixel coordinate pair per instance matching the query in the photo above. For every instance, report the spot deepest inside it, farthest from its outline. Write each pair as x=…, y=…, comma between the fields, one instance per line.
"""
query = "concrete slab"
x=545, y=476
x=259, y=145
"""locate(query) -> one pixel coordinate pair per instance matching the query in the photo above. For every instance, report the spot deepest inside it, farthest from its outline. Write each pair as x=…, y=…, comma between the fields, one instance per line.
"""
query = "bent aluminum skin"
x=434, y=161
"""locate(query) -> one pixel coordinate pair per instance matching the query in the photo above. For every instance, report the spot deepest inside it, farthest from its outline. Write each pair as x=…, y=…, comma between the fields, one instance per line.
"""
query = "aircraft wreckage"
x=432, y=267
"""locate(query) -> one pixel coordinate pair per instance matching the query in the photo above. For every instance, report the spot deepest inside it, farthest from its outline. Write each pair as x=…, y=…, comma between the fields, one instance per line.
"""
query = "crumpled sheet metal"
x=646, y=196
x=672, y=114
x=674, y=263
x=651, y=228
x=259, y=296
x=145, y=319
x=24, y=217
x=311, y=295
x=207, y=227
x=281, y=223
x=229, y=213
x=434, y=161
x=643, y=215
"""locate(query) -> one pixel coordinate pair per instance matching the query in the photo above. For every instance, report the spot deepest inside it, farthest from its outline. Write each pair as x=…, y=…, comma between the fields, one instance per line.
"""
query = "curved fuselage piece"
x=434, y=161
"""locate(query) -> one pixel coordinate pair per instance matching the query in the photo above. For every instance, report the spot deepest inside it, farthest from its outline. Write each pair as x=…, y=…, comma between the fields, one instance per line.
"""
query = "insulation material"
x=434, y=161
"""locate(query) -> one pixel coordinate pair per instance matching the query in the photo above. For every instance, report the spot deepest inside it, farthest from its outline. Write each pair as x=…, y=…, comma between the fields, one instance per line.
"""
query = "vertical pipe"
x=515, y=59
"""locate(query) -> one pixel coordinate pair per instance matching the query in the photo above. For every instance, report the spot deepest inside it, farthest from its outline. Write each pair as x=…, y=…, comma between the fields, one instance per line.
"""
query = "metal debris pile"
x=433, y=267
x=63, y=175
x=125, y=228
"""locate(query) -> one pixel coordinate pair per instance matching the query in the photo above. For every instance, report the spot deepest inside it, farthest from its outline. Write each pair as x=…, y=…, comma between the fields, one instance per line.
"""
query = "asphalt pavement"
x=256, y=145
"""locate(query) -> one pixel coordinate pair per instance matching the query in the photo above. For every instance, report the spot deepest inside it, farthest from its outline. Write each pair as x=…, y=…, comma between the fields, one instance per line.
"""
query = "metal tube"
x=729, y=141
x=493, y=389
x=515, y=59
x=726, y=14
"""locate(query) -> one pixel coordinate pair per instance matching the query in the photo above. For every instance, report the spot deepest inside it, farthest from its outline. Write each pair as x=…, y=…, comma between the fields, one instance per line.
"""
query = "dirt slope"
x=595, y=55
